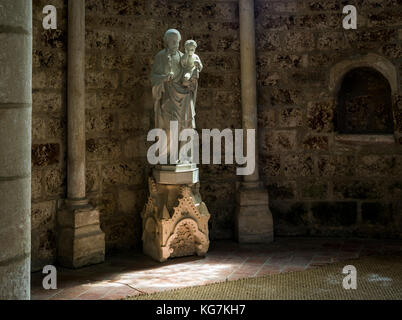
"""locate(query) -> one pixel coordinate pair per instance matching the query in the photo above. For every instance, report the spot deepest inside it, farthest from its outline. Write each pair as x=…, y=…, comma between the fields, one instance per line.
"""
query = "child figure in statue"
x=190, y=62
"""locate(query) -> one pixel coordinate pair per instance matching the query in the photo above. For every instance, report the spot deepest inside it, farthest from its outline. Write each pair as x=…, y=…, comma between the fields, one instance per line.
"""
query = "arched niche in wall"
x=364, y=103
x=365, y=89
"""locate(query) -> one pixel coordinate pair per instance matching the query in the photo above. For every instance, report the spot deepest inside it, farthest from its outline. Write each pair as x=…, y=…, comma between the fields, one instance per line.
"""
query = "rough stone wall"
x=118, y=44
x=317, y=185
x=48, y=130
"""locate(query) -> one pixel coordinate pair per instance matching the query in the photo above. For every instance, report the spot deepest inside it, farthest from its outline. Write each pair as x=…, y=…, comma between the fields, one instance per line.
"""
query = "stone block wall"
x=49, y=75
x=119, y=105
x=318, y=185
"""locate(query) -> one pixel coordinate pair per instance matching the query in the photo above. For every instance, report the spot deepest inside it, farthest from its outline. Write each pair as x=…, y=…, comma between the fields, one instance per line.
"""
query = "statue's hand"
x=170, y=76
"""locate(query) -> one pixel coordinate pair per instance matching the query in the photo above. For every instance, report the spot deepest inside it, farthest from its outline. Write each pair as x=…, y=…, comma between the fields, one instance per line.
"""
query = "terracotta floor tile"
x=43, y=294
x=120, y=292
x=258, y=260
x=292, y=269
x=95, y=293
x=71, y=293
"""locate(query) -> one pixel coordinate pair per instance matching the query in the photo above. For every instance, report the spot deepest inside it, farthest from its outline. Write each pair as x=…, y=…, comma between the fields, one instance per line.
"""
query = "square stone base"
x=176, y=175
x=253, y=222
x=80, y=241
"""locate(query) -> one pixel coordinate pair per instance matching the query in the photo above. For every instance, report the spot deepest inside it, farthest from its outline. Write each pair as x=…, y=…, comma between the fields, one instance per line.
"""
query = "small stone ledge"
x=365, y=138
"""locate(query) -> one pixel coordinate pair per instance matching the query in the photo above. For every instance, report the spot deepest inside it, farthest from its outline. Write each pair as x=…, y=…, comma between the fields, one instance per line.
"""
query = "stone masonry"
x=317, y=184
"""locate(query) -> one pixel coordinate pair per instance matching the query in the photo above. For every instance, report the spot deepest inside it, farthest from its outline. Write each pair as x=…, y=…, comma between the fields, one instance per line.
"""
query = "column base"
x=253, y=223
x=80, y=241
x=175, y=221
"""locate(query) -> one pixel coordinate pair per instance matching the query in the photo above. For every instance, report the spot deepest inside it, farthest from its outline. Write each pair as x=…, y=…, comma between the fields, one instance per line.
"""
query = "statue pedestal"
x=176, y=174
x=175, y=220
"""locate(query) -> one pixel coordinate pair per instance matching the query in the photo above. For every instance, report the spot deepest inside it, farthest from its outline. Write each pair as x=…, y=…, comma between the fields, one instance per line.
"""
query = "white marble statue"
x=174, y=79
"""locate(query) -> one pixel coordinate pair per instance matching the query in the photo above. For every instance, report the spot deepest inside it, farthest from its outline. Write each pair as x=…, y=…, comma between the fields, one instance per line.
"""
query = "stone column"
x=15, y=148
x=80, y=240
x=76, y=103
x=253, y=216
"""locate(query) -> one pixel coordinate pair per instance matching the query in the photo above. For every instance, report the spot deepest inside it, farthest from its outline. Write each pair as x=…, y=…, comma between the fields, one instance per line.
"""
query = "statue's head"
x=190, y=46
x=172, y=39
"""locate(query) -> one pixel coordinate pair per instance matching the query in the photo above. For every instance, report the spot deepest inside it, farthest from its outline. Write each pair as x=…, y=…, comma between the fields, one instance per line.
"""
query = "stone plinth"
x=254, y=222
x=81, y=241
x=176, y=174
x=175, y=221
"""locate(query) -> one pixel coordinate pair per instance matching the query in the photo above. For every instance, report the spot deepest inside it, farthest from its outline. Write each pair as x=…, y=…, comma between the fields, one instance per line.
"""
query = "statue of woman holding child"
x=174, y=79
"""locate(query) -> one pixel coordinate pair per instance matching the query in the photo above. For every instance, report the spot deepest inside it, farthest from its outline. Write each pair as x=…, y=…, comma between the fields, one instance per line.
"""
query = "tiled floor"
x=132, y=273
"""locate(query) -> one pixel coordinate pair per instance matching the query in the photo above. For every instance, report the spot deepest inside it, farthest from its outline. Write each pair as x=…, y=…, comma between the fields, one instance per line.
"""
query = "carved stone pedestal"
x=175, y=220
x=81, y=242
x=254, y=222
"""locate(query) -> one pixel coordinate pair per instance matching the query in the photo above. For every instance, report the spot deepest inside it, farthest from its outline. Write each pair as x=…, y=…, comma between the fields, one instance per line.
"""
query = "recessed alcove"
x=364, y=104
x=363, y=88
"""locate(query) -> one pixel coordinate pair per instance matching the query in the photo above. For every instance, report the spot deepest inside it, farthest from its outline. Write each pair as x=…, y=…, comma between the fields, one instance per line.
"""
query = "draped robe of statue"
x=172, y=100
